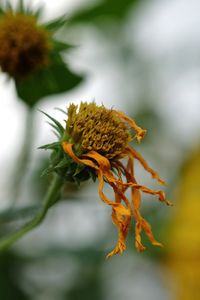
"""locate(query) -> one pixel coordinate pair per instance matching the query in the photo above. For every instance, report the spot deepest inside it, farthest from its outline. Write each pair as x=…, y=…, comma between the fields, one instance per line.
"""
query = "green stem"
x=24, y=158
x=50, y=198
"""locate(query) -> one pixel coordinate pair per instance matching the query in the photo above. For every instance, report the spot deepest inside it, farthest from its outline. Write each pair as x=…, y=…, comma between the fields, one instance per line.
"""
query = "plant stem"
x=23, y=159
x=50, y=198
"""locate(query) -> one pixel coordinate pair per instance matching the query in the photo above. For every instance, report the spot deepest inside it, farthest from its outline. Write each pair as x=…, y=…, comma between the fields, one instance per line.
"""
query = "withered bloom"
x=92, y=144
x=24, y=44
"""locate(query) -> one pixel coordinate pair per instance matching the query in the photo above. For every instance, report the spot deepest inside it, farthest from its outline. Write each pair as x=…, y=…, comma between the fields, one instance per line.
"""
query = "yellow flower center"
x=24, y=45
x=97, y=128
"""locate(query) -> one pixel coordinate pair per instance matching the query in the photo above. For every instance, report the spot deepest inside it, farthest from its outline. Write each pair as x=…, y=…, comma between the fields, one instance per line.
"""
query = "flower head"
x=92, y=144
x=25, y=45
x=30, y=53
x=98, y=129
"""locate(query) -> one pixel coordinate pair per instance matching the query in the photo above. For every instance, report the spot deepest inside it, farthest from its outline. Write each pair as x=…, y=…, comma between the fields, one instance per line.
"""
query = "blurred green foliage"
x=105, y=9
x=9, y=287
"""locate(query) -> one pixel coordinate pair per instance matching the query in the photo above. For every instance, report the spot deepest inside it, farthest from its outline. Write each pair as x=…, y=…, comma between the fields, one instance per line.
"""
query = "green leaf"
x=105, y=9
x=56, y=78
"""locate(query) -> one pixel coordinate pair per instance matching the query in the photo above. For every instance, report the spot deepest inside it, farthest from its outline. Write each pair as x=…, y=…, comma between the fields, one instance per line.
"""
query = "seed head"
x=24, y=45
x=97, y=128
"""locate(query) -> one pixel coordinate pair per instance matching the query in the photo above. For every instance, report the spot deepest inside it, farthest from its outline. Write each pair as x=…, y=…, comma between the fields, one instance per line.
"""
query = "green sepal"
x=52, y=146
x=57, y=126
x=82, y=176
x=92, y=174
x=47, y=171
x=78, y=170
x=56, y=24
x=61, y=110
x=20, y=7
x=56, y=130
x=38, y=12
x=61, y=46
x=63, y=163
x=56, y=156
x=28, y=10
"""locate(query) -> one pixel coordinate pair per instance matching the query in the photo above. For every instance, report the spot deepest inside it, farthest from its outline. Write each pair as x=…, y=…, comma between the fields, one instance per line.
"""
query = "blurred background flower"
x=142, y=57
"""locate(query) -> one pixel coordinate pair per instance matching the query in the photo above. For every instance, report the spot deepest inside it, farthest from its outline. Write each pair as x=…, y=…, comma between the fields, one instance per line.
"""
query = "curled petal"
x=147, y=228
x=145, y=165
x=123, y=229
x=68, y=149
x=141, y=223
x=119, y=209
x=140, y=133
x=103, y=164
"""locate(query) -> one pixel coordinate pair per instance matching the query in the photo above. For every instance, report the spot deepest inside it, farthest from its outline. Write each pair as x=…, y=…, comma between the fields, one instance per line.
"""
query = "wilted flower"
x=92, y=144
